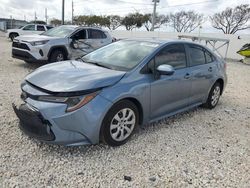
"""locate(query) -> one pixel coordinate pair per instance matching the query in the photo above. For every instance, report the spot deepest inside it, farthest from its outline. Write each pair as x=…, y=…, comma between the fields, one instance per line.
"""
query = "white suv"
x=27, y=30
x=60, y=43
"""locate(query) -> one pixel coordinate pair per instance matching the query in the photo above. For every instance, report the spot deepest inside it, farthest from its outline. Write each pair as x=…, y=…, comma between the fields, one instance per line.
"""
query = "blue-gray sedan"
x=106, y=94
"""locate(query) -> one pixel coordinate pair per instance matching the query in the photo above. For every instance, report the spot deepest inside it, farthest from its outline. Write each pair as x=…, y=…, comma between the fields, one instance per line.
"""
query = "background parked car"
x=27, y=30
x=60, y=43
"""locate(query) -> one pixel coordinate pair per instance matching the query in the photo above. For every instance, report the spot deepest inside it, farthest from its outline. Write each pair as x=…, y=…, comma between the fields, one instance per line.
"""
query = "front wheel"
x=120, y=123
x=214, y=96
x=57, y=55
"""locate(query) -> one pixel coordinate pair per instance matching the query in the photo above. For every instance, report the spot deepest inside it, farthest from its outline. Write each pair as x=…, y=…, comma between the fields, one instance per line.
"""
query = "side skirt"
x=175, y=112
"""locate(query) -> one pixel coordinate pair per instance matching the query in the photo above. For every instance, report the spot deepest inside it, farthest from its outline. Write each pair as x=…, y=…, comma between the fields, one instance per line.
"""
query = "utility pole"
x=35, y=17
x=63, y=12
x=72, y=12
x=46, y=16
x=11, y=22
x=154, y=14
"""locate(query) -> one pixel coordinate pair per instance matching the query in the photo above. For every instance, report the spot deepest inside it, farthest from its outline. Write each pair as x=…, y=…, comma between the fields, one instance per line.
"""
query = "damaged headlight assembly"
x=73, y=103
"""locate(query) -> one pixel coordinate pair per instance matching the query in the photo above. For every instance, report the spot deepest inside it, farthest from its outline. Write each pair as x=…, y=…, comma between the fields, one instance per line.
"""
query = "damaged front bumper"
x=33, y=123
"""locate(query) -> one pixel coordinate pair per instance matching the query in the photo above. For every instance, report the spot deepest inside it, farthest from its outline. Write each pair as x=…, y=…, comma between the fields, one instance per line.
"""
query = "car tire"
x=119, y=123
x=28, y=62
x=214, y=96
x=13, y=35
x=56, y=56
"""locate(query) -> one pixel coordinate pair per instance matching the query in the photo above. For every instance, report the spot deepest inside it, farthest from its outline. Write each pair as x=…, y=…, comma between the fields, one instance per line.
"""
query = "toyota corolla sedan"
x=106, y=94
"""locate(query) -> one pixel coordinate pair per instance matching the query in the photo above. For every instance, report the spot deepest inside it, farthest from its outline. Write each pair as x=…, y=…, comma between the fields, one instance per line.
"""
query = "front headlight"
x=37, y=43
x=73, y=103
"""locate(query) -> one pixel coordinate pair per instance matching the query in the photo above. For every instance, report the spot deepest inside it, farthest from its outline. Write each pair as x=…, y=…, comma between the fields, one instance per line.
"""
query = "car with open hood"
x=106, y=94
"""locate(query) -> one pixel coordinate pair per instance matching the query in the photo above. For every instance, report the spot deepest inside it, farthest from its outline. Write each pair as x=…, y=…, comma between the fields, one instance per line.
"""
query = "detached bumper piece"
x=33, y=124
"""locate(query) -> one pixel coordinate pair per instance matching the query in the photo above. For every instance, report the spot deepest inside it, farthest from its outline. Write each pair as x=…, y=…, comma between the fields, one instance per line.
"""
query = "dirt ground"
x=199, y=148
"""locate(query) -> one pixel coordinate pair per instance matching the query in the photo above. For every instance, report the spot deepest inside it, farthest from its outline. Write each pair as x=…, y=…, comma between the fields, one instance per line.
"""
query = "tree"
x=132, y=21
x=232, y=20
x=115, y=22
x=55, y=22
x=185, y=21
x=93, y=20
x=159, y=21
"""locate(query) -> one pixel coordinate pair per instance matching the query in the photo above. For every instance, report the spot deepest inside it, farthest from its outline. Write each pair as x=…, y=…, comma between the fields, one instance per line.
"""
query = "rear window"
x=40, y=28
x=209, y=57
x=197, y=55
x=49, y=27
x=96, y=34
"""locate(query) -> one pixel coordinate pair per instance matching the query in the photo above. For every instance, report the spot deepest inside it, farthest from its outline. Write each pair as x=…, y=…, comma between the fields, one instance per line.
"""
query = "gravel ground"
x=199, y=148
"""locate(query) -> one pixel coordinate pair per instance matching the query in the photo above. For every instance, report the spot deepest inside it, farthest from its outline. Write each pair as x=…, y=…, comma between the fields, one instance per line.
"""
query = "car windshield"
x=122, y=55
x=61, y=31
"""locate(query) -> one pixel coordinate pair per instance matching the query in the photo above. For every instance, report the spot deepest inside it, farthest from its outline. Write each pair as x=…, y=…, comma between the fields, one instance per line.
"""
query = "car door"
x=202, y=70
x=170, y=93
x=28, y=29
x=80, y=38
x=40, y=29
x=97, y=38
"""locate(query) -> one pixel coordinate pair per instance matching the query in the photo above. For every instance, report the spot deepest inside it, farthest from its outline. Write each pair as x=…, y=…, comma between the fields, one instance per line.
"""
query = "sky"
x=25, y=9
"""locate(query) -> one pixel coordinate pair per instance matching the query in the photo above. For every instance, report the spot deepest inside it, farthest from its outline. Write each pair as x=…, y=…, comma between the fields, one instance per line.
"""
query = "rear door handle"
x=187, y=76
x=210, y=69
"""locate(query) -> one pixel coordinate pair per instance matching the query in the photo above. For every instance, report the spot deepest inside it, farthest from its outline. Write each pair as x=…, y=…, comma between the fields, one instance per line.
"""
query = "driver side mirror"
x=165, y=70
x=75, y=44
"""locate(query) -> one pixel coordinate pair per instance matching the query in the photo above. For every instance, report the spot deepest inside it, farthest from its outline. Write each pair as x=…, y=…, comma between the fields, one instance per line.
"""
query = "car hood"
x=34, y=37
x=73, y=76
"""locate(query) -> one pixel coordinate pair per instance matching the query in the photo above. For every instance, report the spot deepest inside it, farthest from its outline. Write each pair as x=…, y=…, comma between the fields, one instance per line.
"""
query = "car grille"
x=20, y=45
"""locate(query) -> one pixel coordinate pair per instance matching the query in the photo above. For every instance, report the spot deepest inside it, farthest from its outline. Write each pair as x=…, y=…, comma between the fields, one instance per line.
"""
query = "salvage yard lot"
x=197, y=148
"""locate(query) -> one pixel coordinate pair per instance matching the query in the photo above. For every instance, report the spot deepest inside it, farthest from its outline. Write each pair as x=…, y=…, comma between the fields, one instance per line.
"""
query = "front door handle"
x=187, y=76
x=210, y=69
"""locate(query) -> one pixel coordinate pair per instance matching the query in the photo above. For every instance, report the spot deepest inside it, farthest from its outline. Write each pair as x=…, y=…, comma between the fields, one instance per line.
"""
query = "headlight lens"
x=37, y=43
x=73, y=103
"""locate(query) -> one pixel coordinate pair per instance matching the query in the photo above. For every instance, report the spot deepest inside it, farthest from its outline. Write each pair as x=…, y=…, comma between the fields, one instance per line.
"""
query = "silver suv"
x=60, y=43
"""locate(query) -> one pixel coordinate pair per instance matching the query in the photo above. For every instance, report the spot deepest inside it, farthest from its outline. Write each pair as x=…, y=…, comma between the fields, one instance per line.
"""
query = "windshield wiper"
x=98, y=64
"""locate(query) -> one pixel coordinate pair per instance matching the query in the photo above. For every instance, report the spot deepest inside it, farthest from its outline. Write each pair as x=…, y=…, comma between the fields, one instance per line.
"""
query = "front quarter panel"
x=135, y=86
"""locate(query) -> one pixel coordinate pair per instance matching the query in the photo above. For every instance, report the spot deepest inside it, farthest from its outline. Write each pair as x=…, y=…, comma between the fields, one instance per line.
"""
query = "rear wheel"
x=57, y=55
x=13, y=35
x=214, y=96
x=120, y=123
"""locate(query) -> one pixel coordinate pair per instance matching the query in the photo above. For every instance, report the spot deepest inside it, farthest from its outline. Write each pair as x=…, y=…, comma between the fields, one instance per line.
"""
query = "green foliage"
x=55, y=22
x=132, y=21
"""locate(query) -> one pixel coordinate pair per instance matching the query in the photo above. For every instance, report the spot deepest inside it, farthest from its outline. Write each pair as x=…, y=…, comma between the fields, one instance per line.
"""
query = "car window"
x=123, y=55
x=209, y=57
x=80, y=35
x=96, y=34
x=29, y=28
x=197, y=55
x=173, y=55
x=40, y=28
x=61, y=31
x=49, y=27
